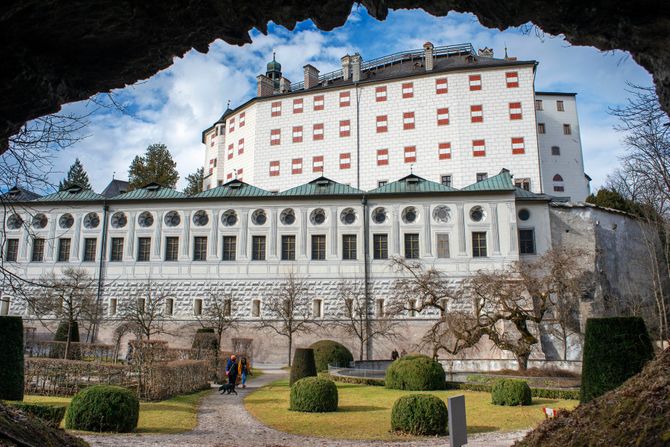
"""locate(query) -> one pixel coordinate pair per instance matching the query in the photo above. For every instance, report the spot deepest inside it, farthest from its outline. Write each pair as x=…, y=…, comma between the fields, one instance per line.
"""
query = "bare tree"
x=218, y=316
x=145, y=309
x=358, y=320
x=286, y=310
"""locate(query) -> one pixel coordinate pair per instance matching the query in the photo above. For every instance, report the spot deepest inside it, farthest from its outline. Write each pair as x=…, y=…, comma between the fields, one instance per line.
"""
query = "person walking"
x=231, y=370
x=244, y=370
x=394, y=354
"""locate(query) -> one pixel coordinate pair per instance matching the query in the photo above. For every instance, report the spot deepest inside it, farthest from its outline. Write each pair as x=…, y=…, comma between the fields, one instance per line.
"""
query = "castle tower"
x=274, y=72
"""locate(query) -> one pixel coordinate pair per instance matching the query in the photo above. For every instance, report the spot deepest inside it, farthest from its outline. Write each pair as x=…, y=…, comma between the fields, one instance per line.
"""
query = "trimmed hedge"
x=303, y=365
x=330, y=352
x=50, y=414
x=103, y=408
x=354, y=380
x=545, y=393
x=61, y=332
x=415, y=373
x=11, y=358
x=314, y=395
x=62, y=336
x=615, y=349
x=511, y=392
x=420, y=414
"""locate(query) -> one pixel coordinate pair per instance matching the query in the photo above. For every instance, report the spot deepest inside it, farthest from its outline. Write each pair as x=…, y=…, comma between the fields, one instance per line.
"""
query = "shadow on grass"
x=255, y=400
x=167, y=408
x=358, y=408
x=482, y=428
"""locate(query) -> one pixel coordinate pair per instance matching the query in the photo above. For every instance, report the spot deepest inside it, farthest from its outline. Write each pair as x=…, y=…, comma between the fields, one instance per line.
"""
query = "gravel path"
x=223, y=422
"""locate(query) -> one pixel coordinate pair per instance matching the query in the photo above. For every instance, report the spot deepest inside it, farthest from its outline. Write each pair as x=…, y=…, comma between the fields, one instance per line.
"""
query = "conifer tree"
x=194, y=182
x=75, y=176
x=156, y=166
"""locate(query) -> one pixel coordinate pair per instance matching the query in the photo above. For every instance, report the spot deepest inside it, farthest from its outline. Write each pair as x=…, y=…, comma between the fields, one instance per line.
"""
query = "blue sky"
x=175, y=105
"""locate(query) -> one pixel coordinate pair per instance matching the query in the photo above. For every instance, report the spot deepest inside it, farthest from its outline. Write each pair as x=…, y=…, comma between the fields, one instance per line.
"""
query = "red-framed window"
x=380, y=93
x=441, y=86
x=345, y=128
x=318, y=102
x=239, y=173
x=275, y=108
x=407, y=90
x=479, y=148
x=444, y=151
x=317, y=131
x=297, y=105
x=475, y=82
x=518, y=145
x=477, y=114
x=515, y=111
x=382, y=123
x=231, y=150
x=410, y=154
x=345, y=161
x=345, y=99
x=231, y=125
x=243, y=119
x=296, y=166
x=443, y=116
x=512, y=79
x=229, y=176
x=274, y=168
x=317, y=163
x=240, y=146
x=408, y=120
x=297, y=134
x=382, y=157
x=275, y=137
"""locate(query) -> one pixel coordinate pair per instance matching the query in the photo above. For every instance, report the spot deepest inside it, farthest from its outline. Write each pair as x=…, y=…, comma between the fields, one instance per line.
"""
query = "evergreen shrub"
x=103, y=408
x=511, y=392
x=420, y=414
x=615, y=349
x=329, y=352
x=11, y=358
x=415, y=373
x=50, y=414
x=303, y=365
x=314, y=395
x=58, y=351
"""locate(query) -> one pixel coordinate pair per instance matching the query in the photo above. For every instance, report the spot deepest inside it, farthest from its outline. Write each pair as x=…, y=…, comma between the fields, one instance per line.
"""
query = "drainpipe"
x=101, y=271
x=366, y=267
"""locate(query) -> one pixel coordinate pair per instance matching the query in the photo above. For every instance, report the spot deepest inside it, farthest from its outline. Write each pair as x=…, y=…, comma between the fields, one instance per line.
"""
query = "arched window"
x=558, y=178
x=558, y=185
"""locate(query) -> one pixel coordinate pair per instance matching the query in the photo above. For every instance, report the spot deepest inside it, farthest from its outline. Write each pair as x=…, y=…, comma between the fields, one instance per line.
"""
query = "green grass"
x=365, y=412
x=175, y=415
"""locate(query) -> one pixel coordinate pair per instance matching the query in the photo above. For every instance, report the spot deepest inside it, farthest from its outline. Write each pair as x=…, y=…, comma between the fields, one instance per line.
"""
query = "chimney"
x=428, y=56
x=311, y=76
x=264, y=86
x=284, y=85
x=356, y=67
x=346, y=67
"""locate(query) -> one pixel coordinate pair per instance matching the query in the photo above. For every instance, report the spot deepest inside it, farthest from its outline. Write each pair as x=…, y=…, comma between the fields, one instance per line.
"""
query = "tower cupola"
x=274, y=71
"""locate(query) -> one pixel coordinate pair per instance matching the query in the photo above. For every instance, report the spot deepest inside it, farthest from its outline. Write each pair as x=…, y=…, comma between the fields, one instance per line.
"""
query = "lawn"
x=175, y=415
x=365, y=412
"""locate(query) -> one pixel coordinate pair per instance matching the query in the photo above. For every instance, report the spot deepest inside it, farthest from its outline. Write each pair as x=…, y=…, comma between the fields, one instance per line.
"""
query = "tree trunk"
x=67, y=339
x=290, y=346
x=522, y=360
x=565, y=344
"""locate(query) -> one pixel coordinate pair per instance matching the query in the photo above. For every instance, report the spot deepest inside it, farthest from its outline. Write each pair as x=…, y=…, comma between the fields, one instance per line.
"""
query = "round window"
x=229, y=218
x=146, y=219
x=172, y=219
x=348, y=216
x=524, y=214
x=441, y=214
x=119, y=220
x=477, y=214
x=318, y=216
x=66, y=221
x=40, y=221
x=91, y=220
x=259, y=217
x=379, y=215
x=14, y=222
x=288, y=216
x=409, y=214
x=200, y=218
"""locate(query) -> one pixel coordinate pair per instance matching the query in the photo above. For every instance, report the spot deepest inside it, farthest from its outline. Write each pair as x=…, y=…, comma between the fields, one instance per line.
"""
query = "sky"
x=176, y=104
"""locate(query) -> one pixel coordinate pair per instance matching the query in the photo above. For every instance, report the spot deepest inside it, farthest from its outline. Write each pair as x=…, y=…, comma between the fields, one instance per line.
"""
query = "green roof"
x=150, y=192
x=321, y=186
x=73, y=194
x=232, y=189
x=522, y=194
x=412, y=184
x=500, y=182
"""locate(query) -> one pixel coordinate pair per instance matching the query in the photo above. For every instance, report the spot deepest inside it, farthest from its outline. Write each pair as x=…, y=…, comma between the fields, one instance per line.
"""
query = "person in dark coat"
x=231, y=370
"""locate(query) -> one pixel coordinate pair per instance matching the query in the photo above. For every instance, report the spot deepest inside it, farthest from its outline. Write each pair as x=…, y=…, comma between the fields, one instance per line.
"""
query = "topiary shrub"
x=303, y=365
x=415, y=373
x=58, y=352
x=103, y=408
x=50, y=414
x=314, y=395
x=615, y=349
x=329, y=352
x=420, y=414
x=11, y=358
x=511, y=392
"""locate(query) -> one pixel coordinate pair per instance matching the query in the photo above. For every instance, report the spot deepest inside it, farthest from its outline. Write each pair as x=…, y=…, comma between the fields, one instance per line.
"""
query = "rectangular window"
x=274, y=168
x=89, y=249
x=143, y=249
x=559, y=188
x=442, y=245
x=256, y=308
x=318, y=247
x=240, y=148
x=379, y=308
x=297, y=105
x=112, y=307
x=275, y=137
x=345, y=161
x=512, y=79
x=481, y=176
x=317, y=163
x=116, y=253
x=197, y=306
x=441, y=86
x=515, y=111
x=169, y=307
x=345, y=99
x=382, y=124
x=523, y=183
x=231, y=151
x=566, y=129
x=527, y=242
x=348, y=247
x=411, y=308
x=380, y=246
x=242, y=119
x=64, y=250
x=444, y=151
x=381, y=183
x=275, y=109
x=410, y=154
x=541, y=129
x=316, y=308
x=443, y=116
x=538, y=105
x=382, y=157
x=475, y=82
x=407, y=90
x=227, y=307
x=258, y=248
x=317, y=132
x=518, y=146
x=38, y=250
x=297, y=134
x=479, y=244
x=345, y=128
x=380, y=94
x=477, y=114
x=288, y=248
x=408, y=120
x=318, y=102
x=478, y=148
x=555, y=150
x=12, y=250
x=231, y=125
x=560, y=106
x=200, y=248
x=412, y=246
x=296, y=166
x=172, y=248
x=229, y=248
x=445, y=180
